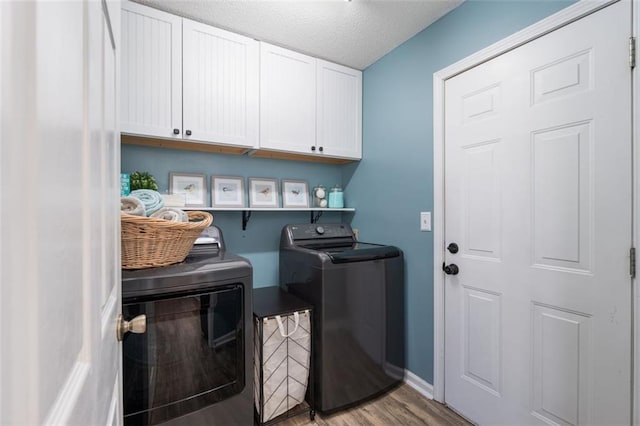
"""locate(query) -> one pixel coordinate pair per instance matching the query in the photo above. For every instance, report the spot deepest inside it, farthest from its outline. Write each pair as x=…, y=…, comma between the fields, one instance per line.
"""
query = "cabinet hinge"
x=632, y=262
x=632, y=52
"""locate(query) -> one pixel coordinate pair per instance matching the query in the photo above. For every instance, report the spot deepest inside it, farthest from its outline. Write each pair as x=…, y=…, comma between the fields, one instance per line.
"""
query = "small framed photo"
x=295, y=193
x=227, y=191
x=191, y=185
x=263, y=192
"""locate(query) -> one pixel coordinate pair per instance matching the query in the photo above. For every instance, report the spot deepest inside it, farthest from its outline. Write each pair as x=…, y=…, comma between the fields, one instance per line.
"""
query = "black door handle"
x=188, y=132
x=453, y=248
x=176, y=131
x=450, y=269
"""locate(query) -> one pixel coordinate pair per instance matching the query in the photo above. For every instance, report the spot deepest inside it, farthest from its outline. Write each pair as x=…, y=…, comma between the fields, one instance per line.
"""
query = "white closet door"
x=220, y=86
x=151, y=89
x=339, y=110
x=287, y=100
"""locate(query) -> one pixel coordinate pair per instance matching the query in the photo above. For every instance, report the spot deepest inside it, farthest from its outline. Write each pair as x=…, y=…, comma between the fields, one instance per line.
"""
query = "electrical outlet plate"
x=425, y=221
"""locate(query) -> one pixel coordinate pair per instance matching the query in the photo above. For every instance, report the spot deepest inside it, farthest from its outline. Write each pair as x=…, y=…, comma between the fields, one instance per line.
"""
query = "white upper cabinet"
x=339, y=110
x=220, y=86
x=287, y=100
x=151, y=79
x=192, y=82
x=186, y=80
x=309, y=106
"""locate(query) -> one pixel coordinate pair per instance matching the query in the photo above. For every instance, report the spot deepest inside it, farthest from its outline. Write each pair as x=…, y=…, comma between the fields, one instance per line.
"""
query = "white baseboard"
x=425, y=389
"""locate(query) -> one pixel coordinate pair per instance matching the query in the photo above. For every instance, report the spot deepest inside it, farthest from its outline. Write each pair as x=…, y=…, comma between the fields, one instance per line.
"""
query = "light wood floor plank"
x=402, y=406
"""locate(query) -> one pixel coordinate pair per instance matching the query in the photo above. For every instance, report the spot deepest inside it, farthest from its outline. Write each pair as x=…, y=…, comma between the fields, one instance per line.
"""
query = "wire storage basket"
x=149, y=242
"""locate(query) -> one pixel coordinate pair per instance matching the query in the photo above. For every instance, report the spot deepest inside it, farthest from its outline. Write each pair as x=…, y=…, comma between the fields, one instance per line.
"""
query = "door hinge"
x=632, y=52
x=632, y=262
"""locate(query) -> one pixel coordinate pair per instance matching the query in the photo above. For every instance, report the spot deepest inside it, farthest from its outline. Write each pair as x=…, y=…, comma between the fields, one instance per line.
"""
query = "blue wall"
x=260, y=242
x=394, y=181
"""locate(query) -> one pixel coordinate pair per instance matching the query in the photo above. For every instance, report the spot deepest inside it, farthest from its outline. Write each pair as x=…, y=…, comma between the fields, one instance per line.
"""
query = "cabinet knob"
x=320, y=149
x=176, y=131
x=313, y=148
x=188, y=132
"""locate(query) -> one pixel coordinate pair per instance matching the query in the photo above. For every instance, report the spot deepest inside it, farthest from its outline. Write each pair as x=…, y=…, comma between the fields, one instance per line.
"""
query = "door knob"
x=453, y=248
x=137, y=325
x=450, y=269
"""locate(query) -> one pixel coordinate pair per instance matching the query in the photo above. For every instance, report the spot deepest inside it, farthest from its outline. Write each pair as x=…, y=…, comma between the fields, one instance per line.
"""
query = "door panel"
x=151, y=95
x=481, y=205
x=556, y=398
x=60, y=283
x=339, y=110
x=538, y=197
x=220, y=85
x=561, y=198
x=287, y=100
x=482, y=312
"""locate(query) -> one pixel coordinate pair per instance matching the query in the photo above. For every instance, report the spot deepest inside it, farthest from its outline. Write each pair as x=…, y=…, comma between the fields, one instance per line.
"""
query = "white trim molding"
x=553, y=22
x=635, y=81
x=424, y=388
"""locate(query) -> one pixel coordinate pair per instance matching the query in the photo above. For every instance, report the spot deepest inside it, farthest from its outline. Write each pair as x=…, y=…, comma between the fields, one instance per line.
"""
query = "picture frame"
x=263, y=192
x=295, y=193
x=227, y=191
x=192, y=185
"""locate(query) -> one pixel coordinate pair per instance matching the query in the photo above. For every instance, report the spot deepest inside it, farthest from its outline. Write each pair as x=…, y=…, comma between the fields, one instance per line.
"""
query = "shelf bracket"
x=246, y=215
x=315, y=218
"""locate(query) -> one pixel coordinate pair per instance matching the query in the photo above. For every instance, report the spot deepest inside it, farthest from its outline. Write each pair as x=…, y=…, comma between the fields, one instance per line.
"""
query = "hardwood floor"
x=402, y=406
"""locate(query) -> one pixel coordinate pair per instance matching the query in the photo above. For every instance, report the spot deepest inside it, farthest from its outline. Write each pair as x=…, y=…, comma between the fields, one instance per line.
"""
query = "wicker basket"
x=149, y=242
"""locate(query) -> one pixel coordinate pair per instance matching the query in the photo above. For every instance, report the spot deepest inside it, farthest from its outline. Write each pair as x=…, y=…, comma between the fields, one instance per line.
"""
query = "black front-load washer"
x=194, y=363
x=357, y=290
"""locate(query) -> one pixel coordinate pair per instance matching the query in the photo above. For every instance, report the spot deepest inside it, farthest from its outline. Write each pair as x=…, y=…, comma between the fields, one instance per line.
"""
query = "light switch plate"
x=425, y=221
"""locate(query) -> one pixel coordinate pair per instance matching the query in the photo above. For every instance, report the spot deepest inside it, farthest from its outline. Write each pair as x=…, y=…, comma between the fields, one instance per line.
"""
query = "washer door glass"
x=190, y=356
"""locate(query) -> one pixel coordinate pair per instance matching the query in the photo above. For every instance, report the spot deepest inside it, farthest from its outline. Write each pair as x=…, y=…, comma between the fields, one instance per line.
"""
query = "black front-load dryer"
x=194, y=363
x=357, y=290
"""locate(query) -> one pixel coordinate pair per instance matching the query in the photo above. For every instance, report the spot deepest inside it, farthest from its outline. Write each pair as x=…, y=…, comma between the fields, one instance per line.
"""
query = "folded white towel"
x=171, y=213
x=131, y=205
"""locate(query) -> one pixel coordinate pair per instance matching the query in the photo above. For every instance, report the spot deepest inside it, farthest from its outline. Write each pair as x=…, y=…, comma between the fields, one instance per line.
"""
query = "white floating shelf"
x=269, y=209
x=246, y=211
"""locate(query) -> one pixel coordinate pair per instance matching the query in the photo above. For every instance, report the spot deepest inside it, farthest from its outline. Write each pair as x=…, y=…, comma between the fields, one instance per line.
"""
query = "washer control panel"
x=314, y=231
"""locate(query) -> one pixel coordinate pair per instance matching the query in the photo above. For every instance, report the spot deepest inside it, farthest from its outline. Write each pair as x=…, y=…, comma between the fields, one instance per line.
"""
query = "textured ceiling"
x=354, y=33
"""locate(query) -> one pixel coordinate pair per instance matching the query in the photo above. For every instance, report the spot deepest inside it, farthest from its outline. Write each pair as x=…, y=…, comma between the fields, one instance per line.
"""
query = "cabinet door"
x=339, y=110
x=151, y=89
x=287, y=100
x=220, y=86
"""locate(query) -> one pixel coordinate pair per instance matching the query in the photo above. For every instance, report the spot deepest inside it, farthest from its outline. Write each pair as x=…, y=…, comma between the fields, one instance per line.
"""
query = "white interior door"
x=60, y=292
x=538, y=198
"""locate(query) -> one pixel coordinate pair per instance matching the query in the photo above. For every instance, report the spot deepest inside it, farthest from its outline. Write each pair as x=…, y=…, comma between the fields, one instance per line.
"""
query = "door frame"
x=553, y=22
